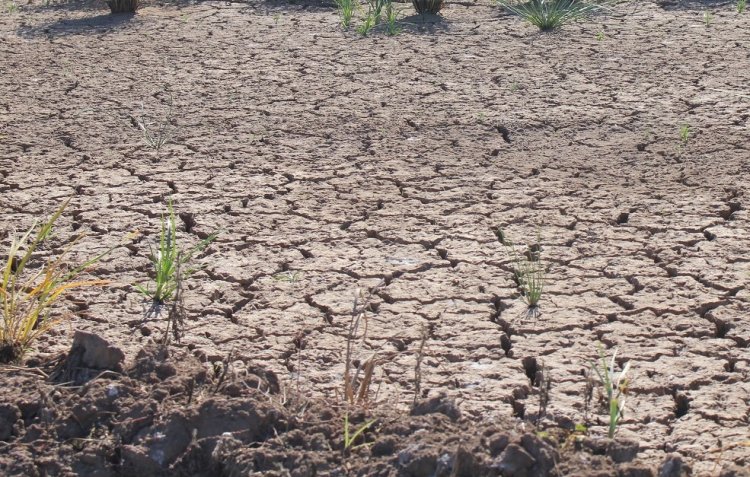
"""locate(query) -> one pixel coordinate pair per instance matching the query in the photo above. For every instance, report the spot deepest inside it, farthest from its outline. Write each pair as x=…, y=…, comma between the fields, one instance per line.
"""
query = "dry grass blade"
x=356, y=391
x=28, y=298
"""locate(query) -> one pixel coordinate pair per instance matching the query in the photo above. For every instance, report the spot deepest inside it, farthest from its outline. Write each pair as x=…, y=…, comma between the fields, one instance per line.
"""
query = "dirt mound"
x=168, y=414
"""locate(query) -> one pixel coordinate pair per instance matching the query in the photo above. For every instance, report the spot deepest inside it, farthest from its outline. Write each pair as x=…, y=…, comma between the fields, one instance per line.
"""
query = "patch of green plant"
x=615, y=387
x=741, y=5
x=10, y=7
x=170, y=262
x=351, y=437
x=346, y=9
x=391, y=19
x=29, y=294
x=528, y=271
x=368, y=23
x=599, y=35
x=684, y=134
x=549, y=15
x=708, y=18
x=375, y=7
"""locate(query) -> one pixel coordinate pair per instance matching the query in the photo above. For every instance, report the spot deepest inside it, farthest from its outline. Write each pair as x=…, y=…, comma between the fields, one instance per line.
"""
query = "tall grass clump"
x=346, y=9
x=548, y=15
x=528, y=271
x=29, y=294
x=171, y=263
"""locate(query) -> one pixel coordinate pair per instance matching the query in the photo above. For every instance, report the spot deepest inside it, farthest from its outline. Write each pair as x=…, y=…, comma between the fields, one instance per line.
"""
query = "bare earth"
x=331, y=162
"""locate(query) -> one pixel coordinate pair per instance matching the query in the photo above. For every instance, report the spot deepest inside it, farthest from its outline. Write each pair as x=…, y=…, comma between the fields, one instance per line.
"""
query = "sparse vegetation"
x=29, y=295
x=351, y=437
x=684, y=134
x=391, y=19
x=741, y=5
x=615, y=388
x=549, y=15
x=167, y=260
x=708, y=18
x=346, y=9
x=156, y=137
x=528, y=271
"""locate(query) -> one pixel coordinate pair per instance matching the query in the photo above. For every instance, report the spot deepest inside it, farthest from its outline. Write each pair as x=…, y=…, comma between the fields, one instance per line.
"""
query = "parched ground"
x=331, y=162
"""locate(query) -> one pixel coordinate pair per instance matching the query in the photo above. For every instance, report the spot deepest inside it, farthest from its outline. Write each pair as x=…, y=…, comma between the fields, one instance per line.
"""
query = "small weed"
x=368, y=23
x=28, y=297
x=161, y=135
x=741, y=5
x=168, y=262
x=276, y=19
x=391, y=19
x=290, y=276
x=346, y=10
x=600, y=35
x=528, y=271
x=615, y=386
x=356, y=389
x=684, y=134
x=351, y=437
x=10, y=7
x=515, y=87
x=708, y=18
x=548, y=15
x=428, y=6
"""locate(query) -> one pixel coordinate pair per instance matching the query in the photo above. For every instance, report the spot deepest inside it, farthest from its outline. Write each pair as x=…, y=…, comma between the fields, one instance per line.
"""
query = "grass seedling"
x=528, y=271
x=684, y=134
x=615, y=387
x=11, y=7
x=29, y=295
x=741, y=5
x=708, y=18
x=351, y=437
x=368, y=23
x=391, y=19
x=600, y=35
x=167, y=260
x=548, y=15
x=346, y=10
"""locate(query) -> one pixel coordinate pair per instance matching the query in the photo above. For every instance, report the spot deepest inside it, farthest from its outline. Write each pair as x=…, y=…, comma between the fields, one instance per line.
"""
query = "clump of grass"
x=708, y=18
x=156, y=137
x=346, y=9
x=684, y=134
x=391, y=19
x=548, y=15
x=741, y=5
x=29, y=296
x=171, y=263
x=368, y=23
x=123, y=6
x=428, y=6
x=528, y=271
x=615, y=387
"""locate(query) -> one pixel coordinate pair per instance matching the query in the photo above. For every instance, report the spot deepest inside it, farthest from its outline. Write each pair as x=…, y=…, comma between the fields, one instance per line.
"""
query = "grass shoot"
x=168, y=259
x=615, y=387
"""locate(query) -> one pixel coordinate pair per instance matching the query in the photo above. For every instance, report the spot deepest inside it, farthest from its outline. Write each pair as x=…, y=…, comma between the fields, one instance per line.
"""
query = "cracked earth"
x=331, y=162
